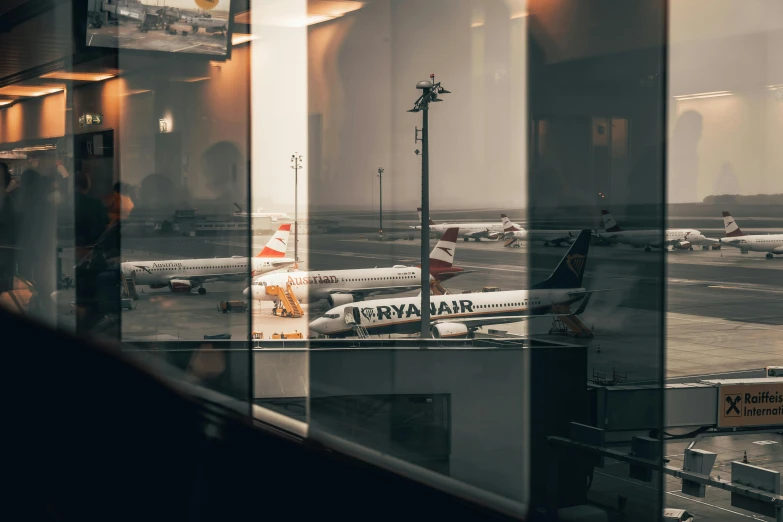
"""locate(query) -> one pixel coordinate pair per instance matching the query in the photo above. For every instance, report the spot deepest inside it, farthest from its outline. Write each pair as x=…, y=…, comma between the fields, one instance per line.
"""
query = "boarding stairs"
x=129, y=287
x=287, y=305
x=436, y=288
x=360, y=331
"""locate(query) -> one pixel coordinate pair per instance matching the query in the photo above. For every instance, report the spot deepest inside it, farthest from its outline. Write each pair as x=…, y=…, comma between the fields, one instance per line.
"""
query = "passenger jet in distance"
x=340, y=287
x=678, y=238
x=459, y=315
x=548, y=237
x=467, y=231
x=772, y=244
x=182, y=275
x=274, y=216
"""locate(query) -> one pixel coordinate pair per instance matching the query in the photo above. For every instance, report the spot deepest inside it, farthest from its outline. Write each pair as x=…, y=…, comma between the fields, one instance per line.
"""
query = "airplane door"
x=352, y=316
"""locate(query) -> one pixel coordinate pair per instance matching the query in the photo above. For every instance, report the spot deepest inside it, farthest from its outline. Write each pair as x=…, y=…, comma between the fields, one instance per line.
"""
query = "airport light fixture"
x=296, y=164
x=430, y=91
x=380, y=223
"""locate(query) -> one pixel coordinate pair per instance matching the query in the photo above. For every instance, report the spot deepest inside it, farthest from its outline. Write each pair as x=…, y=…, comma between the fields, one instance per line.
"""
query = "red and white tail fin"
x=278, y=243
x=732, y=229
x=442, y=256
x=508, y=225
x=610, y=225
x=418, y=209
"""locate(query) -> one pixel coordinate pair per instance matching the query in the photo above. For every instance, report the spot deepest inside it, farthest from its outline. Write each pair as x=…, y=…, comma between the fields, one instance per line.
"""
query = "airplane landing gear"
x=546, y=243
x=477, y=239
x=770, y=256
x=705, y=247
x=202, y=291
x=466, y=239
x=647, y=249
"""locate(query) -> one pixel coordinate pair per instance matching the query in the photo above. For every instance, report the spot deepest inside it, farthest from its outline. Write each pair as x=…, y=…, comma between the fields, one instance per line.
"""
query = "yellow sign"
x=741, y=405
x=207, y=4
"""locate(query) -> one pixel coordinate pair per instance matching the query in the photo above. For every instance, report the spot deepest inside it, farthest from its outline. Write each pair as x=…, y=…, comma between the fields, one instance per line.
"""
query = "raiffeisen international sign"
x=750, y=402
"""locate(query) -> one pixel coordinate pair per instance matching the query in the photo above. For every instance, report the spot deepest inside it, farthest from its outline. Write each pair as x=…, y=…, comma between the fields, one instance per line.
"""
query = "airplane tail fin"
x=508, y=225
x=278, y=243
x=610, y=225
x=442, y=256
x=569, y=272
x=732, y=229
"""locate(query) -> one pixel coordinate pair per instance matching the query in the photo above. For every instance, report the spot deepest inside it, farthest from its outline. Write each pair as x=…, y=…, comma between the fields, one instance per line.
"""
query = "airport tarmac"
x=723, y=307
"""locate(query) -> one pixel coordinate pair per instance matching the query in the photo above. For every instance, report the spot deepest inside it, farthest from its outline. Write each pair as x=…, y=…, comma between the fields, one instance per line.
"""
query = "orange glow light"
x=77, y=76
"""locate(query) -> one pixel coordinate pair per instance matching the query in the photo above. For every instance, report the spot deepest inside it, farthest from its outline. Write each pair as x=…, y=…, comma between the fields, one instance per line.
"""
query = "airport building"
x=485, y=259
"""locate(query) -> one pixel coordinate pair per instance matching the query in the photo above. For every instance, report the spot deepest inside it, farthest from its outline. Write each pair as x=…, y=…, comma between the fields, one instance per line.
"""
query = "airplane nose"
x=317, y=325
x=246, y=292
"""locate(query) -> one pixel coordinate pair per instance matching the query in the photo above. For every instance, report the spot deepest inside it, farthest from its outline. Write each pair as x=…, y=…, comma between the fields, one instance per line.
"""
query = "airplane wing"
x=478, y=322
x=365, y=292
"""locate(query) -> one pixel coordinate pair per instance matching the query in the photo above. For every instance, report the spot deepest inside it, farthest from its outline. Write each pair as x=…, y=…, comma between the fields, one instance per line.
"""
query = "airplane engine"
x=494, y=235
x=683, y=245
x=180, y=285
x=158, y=285
x=446, y=330
x=339, y=299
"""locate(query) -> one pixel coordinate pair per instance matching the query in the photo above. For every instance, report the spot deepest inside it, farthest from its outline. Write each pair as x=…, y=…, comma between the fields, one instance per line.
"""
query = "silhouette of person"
x=683, y=179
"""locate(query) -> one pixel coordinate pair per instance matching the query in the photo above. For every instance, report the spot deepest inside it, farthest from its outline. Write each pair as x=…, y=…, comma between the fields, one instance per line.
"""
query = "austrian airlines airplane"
x=346, y=286
x=274, y=216
x=772, y=244
x=182, y=275
x=548, y=237
x=679, y=238
x=459, y=315
x=467, y=231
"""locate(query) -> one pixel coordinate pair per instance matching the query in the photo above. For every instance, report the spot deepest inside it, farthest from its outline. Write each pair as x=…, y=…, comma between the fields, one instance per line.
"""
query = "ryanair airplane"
x=459, y=315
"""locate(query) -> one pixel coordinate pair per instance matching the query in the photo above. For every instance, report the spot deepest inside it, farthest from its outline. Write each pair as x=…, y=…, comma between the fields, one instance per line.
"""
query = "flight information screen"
x=175, y=26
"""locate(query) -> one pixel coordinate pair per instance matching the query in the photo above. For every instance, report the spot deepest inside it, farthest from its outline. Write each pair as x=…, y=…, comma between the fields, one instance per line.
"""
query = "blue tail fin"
x=569, y=272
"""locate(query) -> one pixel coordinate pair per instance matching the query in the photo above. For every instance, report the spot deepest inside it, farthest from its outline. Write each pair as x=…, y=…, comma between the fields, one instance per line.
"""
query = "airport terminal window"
x=175, y=197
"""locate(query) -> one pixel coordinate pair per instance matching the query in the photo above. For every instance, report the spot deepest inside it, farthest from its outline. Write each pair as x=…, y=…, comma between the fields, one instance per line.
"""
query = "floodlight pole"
x=380, y=224
x=296, y=159
x=430, y=91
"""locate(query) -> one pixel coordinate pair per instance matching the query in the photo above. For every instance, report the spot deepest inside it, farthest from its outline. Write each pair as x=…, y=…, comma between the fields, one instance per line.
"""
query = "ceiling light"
x=191, y=80
x=136, y=91
x=240, y=38
x=697, y=96
x=78, y=76
x=775, y=87
x=477, y=24
x=5, y=102
x=30, y=90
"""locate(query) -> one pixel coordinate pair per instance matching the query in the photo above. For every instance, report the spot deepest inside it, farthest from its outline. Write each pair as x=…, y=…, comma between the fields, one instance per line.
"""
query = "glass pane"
x=724, y=159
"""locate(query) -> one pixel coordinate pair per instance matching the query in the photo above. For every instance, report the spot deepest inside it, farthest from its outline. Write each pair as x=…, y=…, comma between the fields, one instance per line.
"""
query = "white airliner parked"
x=346, y=286
x=772, y=244
x=679, y=238
x=459, y=315
x=182, y=275
x=274, y=216
x=467, y=231
x=548, y=237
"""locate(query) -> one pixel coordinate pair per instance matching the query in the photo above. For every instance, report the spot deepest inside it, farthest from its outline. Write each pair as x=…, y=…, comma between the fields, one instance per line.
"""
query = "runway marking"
x=90, y=43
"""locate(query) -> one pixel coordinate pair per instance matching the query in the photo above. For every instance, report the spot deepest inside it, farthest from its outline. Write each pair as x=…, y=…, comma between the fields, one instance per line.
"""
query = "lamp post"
x=430, y=91
x=380, y=225
x=296, y=159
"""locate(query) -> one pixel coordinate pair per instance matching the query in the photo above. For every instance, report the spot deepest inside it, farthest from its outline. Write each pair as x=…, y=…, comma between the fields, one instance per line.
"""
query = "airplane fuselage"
x=655, y=238
x=771, y=243
x=223, y=268
x=320, y=284
x=403, y=315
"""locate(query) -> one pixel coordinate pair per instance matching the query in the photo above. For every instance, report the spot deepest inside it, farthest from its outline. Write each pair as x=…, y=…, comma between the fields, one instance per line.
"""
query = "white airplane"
x=678, y=238
x=459, y=315
x=548, y=237
x=274, y=216
x=182, y=275
x=347, y=286
x=772, y=244
x=467, y=231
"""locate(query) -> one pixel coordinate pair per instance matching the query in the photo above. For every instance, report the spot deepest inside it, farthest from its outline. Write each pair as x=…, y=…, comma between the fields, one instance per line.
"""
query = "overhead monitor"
x=200, y=27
